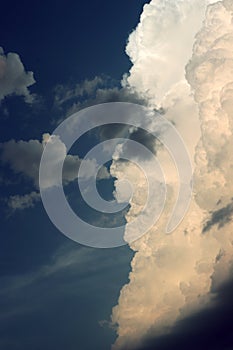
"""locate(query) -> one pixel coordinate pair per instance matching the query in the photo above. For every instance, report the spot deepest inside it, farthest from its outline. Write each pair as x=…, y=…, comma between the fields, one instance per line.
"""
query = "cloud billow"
x=176, y=276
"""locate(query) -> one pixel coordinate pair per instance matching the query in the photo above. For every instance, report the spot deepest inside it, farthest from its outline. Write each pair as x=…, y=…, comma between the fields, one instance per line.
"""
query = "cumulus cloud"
x=13, y=77
x=175, y=275
x=24, y=158
x=161, y=45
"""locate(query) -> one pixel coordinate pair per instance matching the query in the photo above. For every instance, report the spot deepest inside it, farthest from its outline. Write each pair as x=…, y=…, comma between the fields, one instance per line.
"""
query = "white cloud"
x=161, y=45
x=174, y=275
x=13, y=77
x=24, y=157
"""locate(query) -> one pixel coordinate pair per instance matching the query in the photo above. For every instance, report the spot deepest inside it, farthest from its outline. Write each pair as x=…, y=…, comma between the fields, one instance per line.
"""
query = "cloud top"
x=176, y=275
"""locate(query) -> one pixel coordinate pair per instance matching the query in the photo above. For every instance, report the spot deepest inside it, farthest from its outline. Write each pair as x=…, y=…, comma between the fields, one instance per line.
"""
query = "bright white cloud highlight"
x=174, y=275
x=161, y=45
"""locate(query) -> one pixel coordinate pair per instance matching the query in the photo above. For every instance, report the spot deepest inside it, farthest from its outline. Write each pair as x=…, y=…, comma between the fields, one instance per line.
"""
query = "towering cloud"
x=175, y=275
x=161, y=45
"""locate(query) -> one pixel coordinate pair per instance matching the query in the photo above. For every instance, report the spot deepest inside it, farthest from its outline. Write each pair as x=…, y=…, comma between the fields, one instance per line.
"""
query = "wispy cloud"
x=18, y=202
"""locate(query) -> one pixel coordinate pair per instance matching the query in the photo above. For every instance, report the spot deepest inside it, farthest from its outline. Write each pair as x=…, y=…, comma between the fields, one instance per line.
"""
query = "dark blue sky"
x=70, y=40
x=53, y=291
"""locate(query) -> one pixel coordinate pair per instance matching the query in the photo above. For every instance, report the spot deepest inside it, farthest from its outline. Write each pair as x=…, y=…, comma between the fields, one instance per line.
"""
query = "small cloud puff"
x=13, y=77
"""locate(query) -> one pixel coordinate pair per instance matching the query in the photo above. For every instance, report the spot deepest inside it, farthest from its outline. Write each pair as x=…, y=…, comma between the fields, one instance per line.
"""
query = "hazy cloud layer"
x=71, y=99
x=24, y=157
x=220, y=217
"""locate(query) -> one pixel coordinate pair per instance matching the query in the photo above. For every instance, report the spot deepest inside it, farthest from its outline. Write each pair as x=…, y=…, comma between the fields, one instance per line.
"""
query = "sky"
x=54, y=292
x=167, y=67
